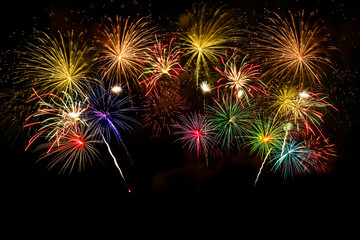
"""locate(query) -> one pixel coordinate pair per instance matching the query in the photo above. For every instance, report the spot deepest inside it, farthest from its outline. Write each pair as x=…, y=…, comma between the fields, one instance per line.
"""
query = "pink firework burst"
x=197, y=133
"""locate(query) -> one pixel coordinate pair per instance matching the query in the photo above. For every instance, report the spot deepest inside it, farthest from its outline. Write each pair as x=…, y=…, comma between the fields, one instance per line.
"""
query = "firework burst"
x=162, y=60
x=300, y=106
x=197, y=133
x=107, y=111
x=206, y=34
x=322, y=153
x=56, y=117
x=55, y=65
x=121, y=45
x=293, y=160
x=293, y=49
x=264, y=136
x=240, y=78
x=231, y=120
x=74, y=151
x=106, y=115
x=161, y=109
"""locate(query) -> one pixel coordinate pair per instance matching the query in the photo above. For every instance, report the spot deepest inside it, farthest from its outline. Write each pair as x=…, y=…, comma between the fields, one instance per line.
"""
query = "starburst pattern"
x=121, y=46
x=231, y=120
x=239, y=76
x=74, y=151
x=196, y=133
x=206, y=33
x=294, y=49
x=294, y=160
x=161, y=61
x=54, y=65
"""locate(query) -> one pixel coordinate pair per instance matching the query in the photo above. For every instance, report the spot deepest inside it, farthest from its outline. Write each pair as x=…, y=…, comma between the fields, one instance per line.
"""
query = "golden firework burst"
x=206, y=33
x=121, y=46
x=55, y=65
x=293, y=49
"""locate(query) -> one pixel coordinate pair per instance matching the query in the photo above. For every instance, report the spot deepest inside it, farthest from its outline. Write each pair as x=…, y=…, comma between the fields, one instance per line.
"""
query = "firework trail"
x=112, y=155
x=261, y=168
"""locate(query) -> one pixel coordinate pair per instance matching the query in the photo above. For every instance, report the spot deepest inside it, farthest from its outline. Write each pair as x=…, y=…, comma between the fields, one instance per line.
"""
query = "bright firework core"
x=197, y=133
x=164, y=71
x=79, y=141
x=304, y=94
x=205, y=87
x=116, y=89
x=74, y=115
x=240, y=93
x=265, y=139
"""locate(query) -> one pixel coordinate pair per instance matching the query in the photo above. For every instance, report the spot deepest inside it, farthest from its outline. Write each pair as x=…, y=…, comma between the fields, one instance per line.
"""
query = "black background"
x=168, y=187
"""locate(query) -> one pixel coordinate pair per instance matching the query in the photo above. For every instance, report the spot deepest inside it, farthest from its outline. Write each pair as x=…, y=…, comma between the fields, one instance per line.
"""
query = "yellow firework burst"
x=121, y=46
x=295, y=49
x=54, y=65
x=206, y=33
x=283, y=100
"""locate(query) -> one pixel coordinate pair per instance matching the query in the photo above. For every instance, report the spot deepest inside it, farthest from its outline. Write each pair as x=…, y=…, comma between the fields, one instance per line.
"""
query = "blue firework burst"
x=293, y=160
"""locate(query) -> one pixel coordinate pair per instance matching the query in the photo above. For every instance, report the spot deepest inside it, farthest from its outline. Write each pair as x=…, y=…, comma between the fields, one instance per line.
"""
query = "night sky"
x=169, y=187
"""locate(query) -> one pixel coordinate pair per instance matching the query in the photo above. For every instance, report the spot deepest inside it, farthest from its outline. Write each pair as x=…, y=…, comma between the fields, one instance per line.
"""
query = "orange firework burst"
x=295, y=49
x=121, y=46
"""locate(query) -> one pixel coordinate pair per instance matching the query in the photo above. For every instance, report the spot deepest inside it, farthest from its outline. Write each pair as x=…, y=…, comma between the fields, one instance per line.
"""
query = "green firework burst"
x=231, y=120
